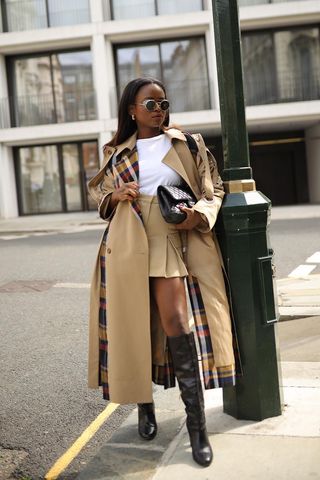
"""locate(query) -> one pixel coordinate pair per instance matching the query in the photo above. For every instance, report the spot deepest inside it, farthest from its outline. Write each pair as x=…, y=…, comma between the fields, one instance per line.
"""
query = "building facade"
x=64, y=63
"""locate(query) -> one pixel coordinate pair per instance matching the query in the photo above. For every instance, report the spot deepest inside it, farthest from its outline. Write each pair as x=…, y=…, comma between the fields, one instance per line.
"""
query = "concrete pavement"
x=49, y=224
x=299, y=296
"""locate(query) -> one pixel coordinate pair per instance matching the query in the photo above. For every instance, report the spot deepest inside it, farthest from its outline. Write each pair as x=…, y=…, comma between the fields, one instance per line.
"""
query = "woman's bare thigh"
x=170, y=296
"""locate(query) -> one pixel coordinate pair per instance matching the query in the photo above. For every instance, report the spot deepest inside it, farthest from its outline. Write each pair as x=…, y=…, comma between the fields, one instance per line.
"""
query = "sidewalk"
x=286, y=447
x=66, y=222
x=298, y=297
x=50, y=223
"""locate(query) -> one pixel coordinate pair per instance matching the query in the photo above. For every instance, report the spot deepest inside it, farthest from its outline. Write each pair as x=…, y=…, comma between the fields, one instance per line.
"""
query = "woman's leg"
x=170, y=297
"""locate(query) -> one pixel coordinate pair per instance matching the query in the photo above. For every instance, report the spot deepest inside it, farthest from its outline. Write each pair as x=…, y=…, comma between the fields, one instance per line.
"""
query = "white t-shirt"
x=152, y=172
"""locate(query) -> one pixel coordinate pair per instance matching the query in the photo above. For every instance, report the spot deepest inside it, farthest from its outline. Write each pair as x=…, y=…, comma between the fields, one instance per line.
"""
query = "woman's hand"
x=127, y=191
x=193, y=219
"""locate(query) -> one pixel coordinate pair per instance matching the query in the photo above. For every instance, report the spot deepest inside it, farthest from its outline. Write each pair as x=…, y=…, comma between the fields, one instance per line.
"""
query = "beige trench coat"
x=130, y=347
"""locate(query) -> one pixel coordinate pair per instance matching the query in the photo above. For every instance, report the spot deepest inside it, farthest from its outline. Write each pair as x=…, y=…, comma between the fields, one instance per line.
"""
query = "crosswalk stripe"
x=302, y=271
x=315, y=258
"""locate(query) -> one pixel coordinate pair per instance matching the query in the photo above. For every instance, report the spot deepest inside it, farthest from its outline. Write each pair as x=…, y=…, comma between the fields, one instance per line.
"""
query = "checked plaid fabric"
x=127, y=170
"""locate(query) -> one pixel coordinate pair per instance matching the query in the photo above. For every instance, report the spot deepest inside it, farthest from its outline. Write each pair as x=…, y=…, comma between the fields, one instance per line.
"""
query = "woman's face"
x=144, y=118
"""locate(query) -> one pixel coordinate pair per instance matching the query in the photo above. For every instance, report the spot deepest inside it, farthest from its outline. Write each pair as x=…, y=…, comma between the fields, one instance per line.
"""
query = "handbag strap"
x=196, y=143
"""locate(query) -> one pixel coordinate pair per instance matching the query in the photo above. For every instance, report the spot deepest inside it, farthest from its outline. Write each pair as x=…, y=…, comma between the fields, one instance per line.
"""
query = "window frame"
x=158, y=42
x=11, y=83
x=5, y=23
x=59, y=146
x=273, y=31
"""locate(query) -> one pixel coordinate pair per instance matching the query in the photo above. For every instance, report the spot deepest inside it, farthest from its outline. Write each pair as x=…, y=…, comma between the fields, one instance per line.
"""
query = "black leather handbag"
x=170, y=198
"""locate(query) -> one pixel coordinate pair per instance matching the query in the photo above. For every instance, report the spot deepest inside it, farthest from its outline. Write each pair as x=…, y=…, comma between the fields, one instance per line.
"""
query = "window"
x=53, y=178
x=53, y=88
x=39, y=180
x=281, y=66
x=180, y=64
x=71, y=12
x=126, y=9
x=33, y=14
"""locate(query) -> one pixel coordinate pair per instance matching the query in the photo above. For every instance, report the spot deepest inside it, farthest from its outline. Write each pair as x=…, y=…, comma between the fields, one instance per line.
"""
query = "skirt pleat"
x=165, y=246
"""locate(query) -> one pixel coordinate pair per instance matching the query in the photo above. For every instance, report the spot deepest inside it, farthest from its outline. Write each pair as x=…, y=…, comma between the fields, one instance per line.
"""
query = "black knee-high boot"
x=147, y=425
x=186, y=368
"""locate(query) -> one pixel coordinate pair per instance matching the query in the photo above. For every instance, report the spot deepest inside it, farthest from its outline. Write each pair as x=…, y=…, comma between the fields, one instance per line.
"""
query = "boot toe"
x=203, y=457
x=201, y=448
x=147, y=425
x=148, y=431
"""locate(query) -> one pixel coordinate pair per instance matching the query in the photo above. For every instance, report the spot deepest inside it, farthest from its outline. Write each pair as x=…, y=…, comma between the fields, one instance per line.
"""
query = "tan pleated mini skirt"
x=165, y=246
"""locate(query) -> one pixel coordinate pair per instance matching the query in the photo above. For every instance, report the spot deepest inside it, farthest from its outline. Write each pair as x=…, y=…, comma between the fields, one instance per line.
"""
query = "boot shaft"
x=186, y=368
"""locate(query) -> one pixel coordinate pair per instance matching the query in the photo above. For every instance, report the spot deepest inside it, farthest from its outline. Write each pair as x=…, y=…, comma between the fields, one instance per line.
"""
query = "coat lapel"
x=172, y=159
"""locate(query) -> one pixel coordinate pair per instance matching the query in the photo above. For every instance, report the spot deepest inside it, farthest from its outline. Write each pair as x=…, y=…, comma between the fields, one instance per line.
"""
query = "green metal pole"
x=242, y=231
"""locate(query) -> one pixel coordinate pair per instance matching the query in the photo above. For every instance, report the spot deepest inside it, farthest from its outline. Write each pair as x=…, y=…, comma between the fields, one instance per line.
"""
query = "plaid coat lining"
x=127, y=170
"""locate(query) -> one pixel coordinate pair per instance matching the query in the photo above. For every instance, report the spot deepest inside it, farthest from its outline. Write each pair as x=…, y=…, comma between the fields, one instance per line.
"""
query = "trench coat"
x=127, y=345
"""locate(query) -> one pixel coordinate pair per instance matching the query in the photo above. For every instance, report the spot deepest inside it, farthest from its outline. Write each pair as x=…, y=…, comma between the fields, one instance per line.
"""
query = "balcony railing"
x=4, y=113
x=247, y=3
x=121, y=10
x=287, y=87
x=185, y=95
x=33, y=14
x=77, y=106
x=44, y=109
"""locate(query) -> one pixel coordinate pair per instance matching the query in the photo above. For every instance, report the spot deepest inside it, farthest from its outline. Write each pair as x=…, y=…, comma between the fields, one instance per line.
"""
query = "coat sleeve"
x=208, y=208
x=100, y=188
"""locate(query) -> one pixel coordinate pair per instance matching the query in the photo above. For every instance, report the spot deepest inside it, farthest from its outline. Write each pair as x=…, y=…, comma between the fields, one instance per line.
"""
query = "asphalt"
x=282, y=447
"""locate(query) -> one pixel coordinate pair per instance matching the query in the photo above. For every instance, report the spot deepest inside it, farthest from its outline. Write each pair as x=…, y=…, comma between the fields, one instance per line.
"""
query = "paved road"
x=293, y=242
x=45, y=403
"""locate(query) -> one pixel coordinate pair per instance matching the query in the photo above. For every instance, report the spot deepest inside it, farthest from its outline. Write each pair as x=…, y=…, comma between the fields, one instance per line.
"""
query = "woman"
x=139, y=328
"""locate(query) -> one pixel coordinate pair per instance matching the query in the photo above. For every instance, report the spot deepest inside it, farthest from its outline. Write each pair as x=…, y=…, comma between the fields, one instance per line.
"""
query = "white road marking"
x=315, y=258
x=13, y=237
x=302, y=271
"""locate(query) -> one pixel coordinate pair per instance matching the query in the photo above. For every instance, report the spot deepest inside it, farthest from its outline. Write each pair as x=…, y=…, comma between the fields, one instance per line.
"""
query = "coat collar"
x=172, y=158
x=129, y=144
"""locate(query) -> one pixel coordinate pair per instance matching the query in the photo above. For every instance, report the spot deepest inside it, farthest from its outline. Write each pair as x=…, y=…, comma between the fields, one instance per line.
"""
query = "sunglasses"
x=151, y=105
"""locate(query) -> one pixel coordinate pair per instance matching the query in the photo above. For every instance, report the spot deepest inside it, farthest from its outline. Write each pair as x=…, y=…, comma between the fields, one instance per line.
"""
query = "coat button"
x=108, y=250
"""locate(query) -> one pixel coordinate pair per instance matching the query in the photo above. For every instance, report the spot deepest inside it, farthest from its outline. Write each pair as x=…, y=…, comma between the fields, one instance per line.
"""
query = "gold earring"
x=133, y=117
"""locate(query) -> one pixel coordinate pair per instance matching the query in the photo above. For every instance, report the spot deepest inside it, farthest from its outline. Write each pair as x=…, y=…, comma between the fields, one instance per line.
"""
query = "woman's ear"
x=131, y=110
